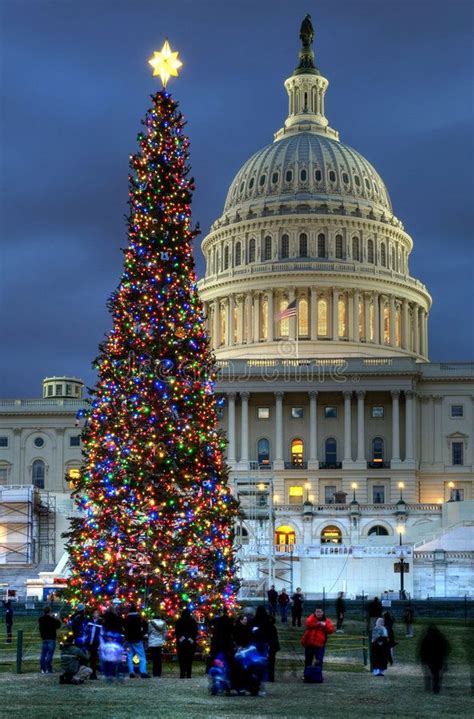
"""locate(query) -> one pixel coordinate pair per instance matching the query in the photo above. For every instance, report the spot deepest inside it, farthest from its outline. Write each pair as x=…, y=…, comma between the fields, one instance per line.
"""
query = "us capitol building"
x=351, y=453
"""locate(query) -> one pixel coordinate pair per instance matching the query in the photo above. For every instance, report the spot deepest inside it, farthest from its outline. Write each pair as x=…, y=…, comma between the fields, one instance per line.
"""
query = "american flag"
x=289, y=312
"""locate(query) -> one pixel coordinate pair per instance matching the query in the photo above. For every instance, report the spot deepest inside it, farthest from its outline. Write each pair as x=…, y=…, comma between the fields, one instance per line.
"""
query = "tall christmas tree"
x=156, y=515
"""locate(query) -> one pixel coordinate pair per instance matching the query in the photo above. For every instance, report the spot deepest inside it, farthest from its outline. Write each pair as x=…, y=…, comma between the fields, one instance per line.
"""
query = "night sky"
x=75, y=84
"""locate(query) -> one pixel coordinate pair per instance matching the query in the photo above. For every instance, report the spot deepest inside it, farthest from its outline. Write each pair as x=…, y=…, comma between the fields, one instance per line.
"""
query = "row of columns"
x=412, y=319
x=278, y=458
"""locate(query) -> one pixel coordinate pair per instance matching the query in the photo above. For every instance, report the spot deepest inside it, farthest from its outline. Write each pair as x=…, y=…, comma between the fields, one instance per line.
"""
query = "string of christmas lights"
x=156, y=514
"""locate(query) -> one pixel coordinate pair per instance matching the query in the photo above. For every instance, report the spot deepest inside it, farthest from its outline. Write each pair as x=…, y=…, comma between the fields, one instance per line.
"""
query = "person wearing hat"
x=73, y=662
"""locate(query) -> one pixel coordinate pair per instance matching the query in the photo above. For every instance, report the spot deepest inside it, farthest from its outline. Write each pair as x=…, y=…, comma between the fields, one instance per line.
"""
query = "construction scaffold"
x=27, y=526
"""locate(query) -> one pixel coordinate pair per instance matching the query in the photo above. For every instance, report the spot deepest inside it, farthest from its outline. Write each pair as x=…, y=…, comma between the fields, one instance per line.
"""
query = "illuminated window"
x=297, y=452
x=321, y=245
x=303, y=245
x=361, y=319
x=339, y=247
x=370, y=251
x=38, y=473
x=267, y=248
x=296, y=495
x=322, y=317
x=341, y=318
x=238, y=254
x=263, y=452
x=285, y=535
x=372, y=321
x=252, y=250
x=73, y=475
x=355, y=248
x=331, y=535
x=263, y=412
x=284, y=324
x=377, y=450
x=383, y=255
x=236, y=326
x=386, y=325
x=226, y=257
x=303, y=317
x=223, y=325
x=398, y=326
x=285, y=247
x=263, y=319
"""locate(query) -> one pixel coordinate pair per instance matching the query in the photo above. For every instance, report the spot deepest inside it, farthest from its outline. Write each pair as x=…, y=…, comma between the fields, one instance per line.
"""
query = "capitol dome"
x=307, y=258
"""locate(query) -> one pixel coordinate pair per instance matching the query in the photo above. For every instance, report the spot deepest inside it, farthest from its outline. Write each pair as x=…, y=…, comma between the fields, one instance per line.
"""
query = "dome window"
x=238, y=254
x=383, y=255
x=262, y=180
x=370, y=251
x=376, y=188
x=289, y=175
x=339, y=247
x=285, y=247
x=367, y=184
x=332, y=176
x=242, y=185
x=252, y=250
x=318, y=175
x=226, y=258
x=355, y=249
x=303, y=175
x=357, y=180
x=321, y=245
x=275, y=178
x=251, y=183
x=345, y=178
x=303, y=245
x=267, y=248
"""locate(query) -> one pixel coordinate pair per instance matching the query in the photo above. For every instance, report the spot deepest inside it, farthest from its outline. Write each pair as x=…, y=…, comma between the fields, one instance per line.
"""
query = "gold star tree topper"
x=165, y=63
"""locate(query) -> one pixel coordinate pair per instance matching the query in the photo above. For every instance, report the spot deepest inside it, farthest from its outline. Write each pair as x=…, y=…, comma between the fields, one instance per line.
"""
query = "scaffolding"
x=27, y=526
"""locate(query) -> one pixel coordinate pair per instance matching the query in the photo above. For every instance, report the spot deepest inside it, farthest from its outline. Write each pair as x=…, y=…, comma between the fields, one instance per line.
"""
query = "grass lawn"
x=349, y=690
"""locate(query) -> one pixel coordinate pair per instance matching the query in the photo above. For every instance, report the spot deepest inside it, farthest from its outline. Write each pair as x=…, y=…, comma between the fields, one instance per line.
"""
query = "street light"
x=354, y=487
x=307, y=487
x=401, y=530
x=401, y=487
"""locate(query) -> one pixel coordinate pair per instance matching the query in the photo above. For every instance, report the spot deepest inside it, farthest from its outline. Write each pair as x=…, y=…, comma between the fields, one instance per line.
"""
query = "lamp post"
x=401, y=530
x=401, y=487
x=354, y=487
x=307, y=487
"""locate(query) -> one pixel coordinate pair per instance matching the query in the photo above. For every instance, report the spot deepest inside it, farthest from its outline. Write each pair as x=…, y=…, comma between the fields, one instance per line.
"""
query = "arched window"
x=226, y=257
x=303, y=317
x=263, y=452
x=321, y=245
x=263, y=318
x=252, y=250
x=267, y=248
x=383, y=255
x=377, y=531
x=355, y=249
x=330, y=451
x=238, y=254
x=236, y=324
x=372, y=322
x=223, y=324
x=261, y=182
x=303, y=245
x=285, y=247
x=331, y=535
x=218, y=260
x=289, y=175
x=386, y=325
x=284, y=324
x=38, y=473
x=393, y=259
x=342, y=318
x=297, y=449
x=303, y=175
x=322, y=317
x=318, y=175
x=339, y=254
x=332, y=176
x=284, y=535
x=361, y=320
x=370, y=251
x=377, y=450
x=398, y=326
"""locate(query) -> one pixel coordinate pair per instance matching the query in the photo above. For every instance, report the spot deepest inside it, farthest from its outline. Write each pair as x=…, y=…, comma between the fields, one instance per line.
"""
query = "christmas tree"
x=156, y=515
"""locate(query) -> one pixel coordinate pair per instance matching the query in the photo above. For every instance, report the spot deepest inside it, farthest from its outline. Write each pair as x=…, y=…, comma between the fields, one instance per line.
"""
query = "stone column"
x=409, y=427
x=240, y=319
x=405, y=325
x=375, y=300
x=381, y=319
x=395, y=426
x=367, y=317
x=347, y=427
x=355, y=313
x=231, y=428
x=437, y=433
x=257, y=316
x=425, y=334
x=216, y=325
x=230, y=321
x=313, y=314
x=361, y=429
x=392, y=321
x=58, y=471
x=292, y=320
x=16, y=475
x=278, y=461
x=244, y=430
x=416, y=330
x=335, y=315
x=313, y=431
x=271, y=317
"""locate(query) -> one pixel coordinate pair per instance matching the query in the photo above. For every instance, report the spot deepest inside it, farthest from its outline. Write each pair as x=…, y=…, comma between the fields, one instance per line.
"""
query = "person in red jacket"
x=318, y=627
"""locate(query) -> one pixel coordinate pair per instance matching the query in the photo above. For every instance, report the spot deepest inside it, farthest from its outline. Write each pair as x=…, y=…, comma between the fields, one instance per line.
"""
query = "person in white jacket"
x=156, y=640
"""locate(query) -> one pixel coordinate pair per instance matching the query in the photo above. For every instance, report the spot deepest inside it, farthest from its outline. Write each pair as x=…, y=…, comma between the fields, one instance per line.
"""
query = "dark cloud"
x=75, y=84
